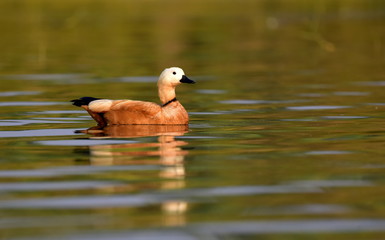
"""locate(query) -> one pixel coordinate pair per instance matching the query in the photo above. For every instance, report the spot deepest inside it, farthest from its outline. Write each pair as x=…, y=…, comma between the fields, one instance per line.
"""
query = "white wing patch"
x=102, y=105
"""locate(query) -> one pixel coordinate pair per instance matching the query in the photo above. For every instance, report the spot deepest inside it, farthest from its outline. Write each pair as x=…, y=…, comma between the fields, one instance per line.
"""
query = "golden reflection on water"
x=170, y=152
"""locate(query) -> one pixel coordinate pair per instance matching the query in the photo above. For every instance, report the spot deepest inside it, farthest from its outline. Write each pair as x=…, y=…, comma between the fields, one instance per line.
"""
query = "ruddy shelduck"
x=117, y=112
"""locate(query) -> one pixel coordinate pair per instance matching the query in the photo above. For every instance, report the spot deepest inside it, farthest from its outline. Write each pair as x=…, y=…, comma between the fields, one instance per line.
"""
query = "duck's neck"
x=166, y=93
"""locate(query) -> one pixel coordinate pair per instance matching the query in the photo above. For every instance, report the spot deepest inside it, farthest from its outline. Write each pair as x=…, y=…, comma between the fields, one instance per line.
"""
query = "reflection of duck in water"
x=111, y=112
x=130, y=131
x=167, y=147
x=169, y=150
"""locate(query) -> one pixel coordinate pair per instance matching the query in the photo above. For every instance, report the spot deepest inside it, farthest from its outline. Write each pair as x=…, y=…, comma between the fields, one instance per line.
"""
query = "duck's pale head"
x=173, y=76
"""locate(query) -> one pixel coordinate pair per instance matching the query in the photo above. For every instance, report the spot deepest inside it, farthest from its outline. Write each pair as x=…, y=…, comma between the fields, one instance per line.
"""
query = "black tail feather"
x=83, y=101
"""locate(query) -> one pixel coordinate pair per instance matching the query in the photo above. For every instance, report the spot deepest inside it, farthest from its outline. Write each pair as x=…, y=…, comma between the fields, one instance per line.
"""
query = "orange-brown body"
x=119, y=112
x=139, y=112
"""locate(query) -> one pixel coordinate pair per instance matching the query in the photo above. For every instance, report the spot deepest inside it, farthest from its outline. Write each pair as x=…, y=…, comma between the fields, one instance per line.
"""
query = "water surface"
x=286, y=138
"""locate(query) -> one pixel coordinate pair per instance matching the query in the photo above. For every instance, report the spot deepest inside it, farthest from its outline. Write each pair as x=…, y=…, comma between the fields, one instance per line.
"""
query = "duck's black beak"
x=186, y=80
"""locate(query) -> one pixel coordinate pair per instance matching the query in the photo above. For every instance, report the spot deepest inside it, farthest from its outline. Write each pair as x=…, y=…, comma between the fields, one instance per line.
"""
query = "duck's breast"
x=175, y=113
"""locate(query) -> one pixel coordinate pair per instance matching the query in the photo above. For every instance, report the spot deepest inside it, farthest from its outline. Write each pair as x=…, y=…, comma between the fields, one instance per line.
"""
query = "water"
x=286, y=139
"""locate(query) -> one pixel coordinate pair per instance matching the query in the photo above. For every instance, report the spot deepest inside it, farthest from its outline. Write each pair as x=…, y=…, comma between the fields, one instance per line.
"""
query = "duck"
x=133, y=112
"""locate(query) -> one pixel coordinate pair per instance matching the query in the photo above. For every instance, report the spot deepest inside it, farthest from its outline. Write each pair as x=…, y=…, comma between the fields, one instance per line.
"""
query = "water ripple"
x=319, y=107
x=216, y=230
x=51, y=221
x=64, y=185
x=12, y=122
x=143, y=199
x=312, y=95
x=376, y=104
x=18, y=93
x=138, y=79
x=19, y=104
x=373, y=83
x=38, y=132
x=78, y=170
x=292, y=226
x=343, y=117
x=248, y=102
x=52, y=77
x=57, y=118
x=57, y=112
x=208, y=113
x=351, y=93
x=332, y=183
x=299, y=120
x=211, y=91
x=327, y=152
x=299, y=209
x=82, y=142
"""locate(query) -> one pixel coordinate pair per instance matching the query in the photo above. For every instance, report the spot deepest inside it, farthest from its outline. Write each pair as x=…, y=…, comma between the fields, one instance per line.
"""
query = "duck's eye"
x=174, y=73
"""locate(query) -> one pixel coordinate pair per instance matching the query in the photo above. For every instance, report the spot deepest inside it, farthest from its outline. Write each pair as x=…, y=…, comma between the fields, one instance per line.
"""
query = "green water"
x=286, y=135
